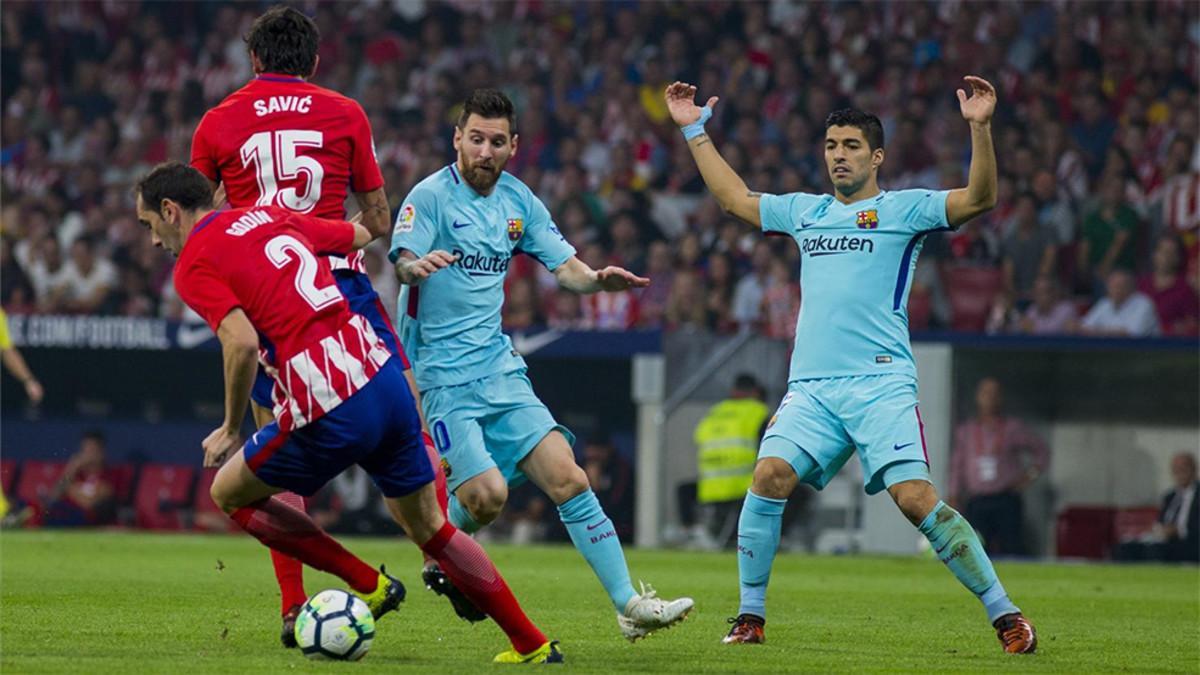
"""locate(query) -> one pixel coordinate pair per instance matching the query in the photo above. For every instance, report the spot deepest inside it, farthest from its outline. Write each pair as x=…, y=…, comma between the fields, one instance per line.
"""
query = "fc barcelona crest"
x=867, y=220
x=516, y=227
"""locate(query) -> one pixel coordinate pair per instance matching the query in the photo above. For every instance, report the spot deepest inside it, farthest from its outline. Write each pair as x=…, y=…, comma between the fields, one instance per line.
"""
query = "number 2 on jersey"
x=273, y=154
x=281, y=250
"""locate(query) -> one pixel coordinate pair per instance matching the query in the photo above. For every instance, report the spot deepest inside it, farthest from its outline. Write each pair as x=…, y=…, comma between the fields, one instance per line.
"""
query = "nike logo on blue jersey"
x=804, y=224
x=898, y=448
x=457, y=224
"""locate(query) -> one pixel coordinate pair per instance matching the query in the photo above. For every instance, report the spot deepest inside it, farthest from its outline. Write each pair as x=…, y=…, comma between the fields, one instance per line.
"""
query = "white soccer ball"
x=335, y=625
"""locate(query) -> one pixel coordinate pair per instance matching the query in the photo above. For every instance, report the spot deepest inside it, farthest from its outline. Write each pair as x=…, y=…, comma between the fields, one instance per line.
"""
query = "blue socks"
x=956, y=544
x=758, y=539
x=594, y=535
x=460, y=517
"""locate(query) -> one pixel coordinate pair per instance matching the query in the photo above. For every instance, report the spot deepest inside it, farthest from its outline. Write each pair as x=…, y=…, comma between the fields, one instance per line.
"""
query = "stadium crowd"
x=1095, y=231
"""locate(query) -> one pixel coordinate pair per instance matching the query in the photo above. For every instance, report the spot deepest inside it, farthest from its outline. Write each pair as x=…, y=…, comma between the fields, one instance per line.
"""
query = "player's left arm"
x=980, y=194
x=576, y=276
x=239, y=351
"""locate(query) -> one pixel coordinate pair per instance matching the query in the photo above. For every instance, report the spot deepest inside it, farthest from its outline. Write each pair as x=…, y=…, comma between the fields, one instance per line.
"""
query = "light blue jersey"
x=856, y=268
x=450, y=324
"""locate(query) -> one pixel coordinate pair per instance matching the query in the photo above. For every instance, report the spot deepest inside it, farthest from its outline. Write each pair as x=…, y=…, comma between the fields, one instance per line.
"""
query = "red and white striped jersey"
x=1179, y=199
x=269, y=262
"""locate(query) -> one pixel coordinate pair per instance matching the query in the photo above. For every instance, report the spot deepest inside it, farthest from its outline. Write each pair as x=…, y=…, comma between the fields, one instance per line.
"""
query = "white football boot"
x=647, y=613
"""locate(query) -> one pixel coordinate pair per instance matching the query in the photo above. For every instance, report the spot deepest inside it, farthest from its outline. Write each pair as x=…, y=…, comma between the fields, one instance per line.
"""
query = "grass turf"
x=100, y=602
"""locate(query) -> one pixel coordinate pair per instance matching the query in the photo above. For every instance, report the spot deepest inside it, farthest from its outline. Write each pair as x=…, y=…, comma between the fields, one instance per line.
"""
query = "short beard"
x=481, y=179
x=851, y=189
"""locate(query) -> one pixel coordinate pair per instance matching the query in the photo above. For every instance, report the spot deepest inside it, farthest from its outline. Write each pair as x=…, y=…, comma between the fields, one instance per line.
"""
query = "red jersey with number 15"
x=264, y=260
x=281, y=141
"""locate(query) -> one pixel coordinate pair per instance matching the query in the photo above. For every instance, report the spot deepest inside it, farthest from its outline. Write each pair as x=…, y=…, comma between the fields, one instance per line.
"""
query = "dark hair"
x=285, y=41
x=746, y=382
x=94, y=435
x=869, y=124
x=175, y=181
x=488, y=104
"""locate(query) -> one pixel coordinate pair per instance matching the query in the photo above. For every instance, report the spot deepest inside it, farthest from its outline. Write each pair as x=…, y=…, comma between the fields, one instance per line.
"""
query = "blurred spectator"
x=726, y=449
x=1108, y=233
x=718, y=300
x=1177, y=304
x=1049, y=313
x=995, y=459
x=751, y=288
x=84, y=494
x=1177, y=200
x=781, y=302
x=686, y=306
x=652, y=300
x=1122, y=312
x=1176, y=535
x=1054, y=207
x=1028, y=251
x=87, y=280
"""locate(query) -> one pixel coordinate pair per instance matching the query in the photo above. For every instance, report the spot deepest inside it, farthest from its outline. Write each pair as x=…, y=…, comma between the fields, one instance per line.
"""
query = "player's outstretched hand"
x=982, y=103
x=429, y=263
x=219, y=445
x=614, y=279
x=681, y=99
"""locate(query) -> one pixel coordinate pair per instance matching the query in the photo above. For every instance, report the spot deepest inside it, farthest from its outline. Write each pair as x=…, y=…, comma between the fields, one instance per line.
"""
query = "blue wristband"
x=696, y=128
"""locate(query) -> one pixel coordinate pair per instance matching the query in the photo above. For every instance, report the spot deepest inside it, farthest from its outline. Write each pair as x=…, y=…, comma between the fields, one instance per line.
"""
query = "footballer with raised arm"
x=852, y=382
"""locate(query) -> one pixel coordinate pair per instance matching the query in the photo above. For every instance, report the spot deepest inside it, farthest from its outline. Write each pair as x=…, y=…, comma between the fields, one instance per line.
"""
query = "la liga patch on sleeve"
x=404, y=222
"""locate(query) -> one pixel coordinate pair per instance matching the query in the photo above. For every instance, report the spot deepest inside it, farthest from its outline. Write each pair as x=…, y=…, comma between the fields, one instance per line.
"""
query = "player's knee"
x=915, y=498
x=567, y=484
x=773, y=478
x=222, y=498
x=484, y=504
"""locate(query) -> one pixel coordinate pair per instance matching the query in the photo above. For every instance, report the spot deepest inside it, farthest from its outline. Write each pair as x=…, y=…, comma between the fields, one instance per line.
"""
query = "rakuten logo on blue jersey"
x=822, y=245
x=480, y=265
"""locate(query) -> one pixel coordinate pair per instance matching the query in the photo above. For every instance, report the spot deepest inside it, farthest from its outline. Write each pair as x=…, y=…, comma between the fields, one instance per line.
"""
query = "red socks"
x=439, y=476
x=289, y=572
x=289, y=530
x=439, y=480
x=473, y=573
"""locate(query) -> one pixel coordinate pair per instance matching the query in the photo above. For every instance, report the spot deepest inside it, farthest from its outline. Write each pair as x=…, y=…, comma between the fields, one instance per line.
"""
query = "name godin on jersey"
x=275, y=104
x=480, y=264
x=247, y=222
x=822, y=245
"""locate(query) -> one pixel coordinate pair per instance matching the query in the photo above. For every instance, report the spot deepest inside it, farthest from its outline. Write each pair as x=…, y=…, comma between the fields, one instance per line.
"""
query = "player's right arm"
x=412, y=239
x=726, y=186
x=239, y=351
x=205, y=290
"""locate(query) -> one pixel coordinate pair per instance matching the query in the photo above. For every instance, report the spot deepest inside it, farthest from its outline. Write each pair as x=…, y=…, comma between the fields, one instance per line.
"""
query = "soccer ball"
x=335, y=625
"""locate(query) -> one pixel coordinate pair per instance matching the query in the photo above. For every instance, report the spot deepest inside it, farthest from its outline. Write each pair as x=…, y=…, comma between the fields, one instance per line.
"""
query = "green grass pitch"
x=106, y=602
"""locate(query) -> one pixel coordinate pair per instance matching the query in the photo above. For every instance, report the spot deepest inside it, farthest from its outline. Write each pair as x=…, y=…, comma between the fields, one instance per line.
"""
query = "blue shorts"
x=377, y=428
x=828, y=418
x=493, y=422
x=363, y=300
